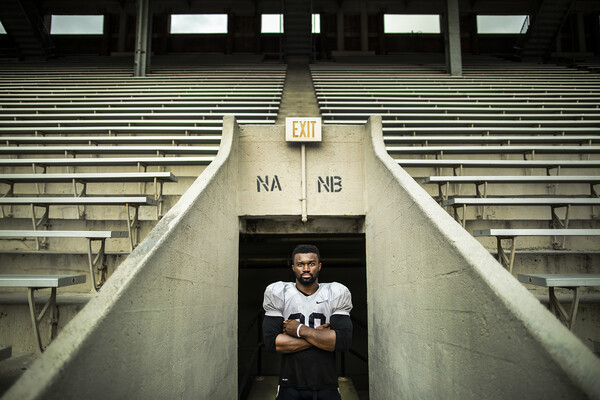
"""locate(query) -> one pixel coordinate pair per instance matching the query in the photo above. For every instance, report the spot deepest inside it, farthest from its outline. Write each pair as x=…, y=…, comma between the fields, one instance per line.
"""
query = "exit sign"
x=303, y=129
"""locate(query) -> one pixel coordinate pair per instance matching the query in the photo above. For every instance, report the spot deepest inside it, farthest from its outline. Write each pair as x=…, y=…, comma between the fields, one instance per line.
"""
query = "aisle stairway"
x=541, y=35
x=298, y=98
x=297, y=29
x=22, y=21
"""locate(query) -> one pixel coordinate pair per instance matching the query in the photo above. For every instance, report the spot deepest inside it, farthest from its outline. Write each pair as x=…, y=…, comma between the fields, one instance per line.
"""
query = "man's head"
x=306, y=264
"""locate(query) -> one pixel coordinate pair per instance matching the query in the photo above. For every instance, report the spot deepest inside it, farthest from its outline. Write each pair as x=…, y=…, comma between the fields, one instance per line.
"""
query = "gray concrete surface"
x=445, y=320
x=299, y=99
x=164, y=326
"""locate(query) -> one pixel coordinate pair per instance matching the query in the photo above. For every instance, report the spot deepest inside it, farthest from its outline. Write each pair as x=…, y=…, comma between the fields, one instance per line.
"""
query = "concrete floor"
x=265, y=388
x=12, y=368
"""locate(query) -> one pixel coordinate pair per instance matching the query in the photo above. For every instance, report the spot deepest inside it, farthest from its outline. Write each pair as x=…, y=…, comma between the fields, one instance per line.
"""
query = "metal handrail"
x=523, y=33
x=361, y=357
x=245, y=379
x=243, y=336
x=256, y=354
x=562, y=23
x=526, y=24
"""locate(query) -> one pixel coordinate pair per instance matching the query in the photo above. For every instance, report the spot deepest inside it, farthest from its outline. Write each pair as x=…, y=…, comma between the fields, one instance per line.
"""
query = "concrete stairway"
x=297, y=28
x=299, y=99
x=23, y=23
x=544, y=28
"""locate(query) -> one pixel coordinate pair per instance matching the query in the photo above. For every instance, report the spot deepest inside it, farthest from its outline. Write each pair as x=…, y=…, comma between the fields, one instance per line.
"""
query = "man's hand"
x=290, y=327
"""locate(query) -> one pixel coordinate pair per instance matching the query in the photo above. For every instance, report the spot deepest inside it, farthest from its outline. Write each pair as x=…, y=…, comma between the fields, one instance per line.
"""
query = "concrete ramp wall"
x=445, y=320
x=165, y=324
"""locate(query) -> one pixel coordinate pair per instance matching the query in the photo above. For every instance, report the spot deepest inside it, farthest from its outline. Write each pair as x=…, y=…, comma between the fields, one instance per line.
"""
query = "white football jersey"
x=283, y=299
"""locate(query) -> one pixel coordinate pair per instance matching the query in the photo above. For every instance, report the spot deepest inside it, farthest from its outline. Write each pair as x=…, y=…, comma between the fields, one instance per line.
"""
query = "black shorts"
x=287, y=393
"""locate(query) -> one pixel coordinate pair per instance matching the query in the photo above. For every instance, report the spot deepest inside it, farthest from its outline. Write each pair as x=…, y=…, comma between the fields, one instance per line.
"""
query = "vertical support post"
x=381, y=32
x=303, y=196
x=143, y=38
x=230, y=31
x=451, y=23
x=364, y=26
x=122, y=39
x=581, y=32
x=340, y=29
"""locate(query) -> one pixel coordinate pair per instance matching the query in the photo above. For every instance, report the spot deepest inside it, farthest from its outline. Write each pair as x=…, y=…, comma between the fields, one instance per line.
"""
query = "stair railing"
x=361, y=357
x=525, y=33
x=557, y=33
x=37, y=24
x=256, y=354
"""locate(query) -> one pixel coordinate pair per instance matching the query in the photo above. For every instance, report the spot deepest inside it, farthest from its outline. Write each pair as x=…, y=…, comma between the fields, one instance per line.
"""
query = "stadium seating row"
x=520, y=121
x=82, y=139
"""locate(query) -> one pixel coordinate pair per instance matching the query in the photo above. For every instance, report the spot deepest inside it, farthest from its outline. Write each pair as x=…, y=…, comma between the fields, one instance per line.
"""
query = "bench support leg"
x=462, y=221
x=481, y=194
x=38, y=222
x=594, y=193
x=441, y=194
x=558, y=223
x=158, y=192
x=8, y=193
x=96, y=263
x=558, y=309
x=506, y=258
x=37, y=318
x=132, y=224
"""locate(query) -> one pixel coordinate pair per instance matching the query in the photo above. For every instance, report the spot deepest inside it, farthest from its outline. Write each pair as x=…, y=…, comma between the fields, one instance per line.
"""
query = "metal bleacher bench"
x=458, y=165
x=140, y=162
x=104, y=139
x=572, y=282
x=444, y=130
x=108, y=149
x=35, y=282
x=553, y=202
x=95, y=261
x=157, y=178
x=478, y=181
x=492, y=149
x=207, y=126
x=130, y=203
x=507, y=256
x=502, y=139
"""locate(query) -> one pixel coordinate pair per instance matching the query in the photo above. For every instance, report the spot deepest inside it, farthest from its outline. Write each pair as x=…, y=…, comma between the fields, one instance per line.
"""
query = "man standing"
x=307, y=322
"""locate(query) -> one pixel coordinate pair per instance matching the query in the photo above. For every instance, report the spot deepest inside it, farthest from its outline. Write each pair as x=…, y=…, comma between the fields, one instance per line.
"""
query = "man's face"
x=306, y=268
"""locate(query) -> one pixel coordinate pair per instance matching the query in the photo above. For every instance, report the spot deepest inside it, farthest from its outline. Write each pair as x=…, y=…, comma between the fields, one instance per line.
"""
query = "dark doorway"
x=266, y=258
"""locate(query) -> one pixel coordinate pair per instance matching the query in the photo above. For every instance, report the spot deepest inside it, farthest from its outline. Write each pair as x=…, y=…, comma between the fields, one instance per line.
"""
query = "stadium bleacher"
x=519, y=141
x=81, y=136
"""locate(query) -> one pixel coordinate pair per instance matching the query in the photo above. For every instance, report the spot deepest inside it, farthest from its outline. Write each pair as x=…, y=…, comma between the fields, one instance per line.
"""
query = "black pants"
x=286, y=393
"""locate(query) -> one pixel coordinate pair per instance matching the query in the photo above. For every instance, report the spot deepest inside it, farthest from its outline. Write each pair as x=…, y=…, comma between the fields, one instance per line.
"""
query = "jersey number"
x=311, y=319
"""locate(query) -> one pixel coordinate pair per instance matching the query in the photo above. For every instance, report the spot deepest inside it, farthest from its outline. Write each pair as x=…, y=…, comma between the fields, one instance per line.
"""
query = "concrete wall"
x=445, y=319
x=266, y=153
x=164, y=325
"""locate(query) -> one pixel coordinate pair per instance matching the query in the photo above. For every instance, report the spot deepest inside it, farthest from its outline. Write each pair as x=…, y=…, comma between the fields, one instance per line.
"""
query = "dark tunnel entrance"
x=266, y=258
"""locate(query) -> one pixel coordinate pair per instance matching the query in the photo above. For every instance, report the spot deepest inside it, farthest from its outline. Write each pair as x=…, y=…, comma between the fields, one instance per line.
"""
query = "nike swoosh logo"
x=323, y=301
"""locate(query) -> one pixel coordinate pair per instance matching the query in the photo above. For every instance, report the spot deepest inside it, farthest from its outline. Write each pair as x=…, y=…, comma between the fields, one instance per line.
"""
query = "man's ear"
x=320, y=267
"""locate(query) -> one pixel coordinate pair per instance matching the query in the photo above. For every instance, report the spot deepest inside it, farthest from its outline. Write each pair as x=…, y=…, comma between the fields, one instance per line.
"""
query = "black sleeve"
x=272, y=326
x=342, y=325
